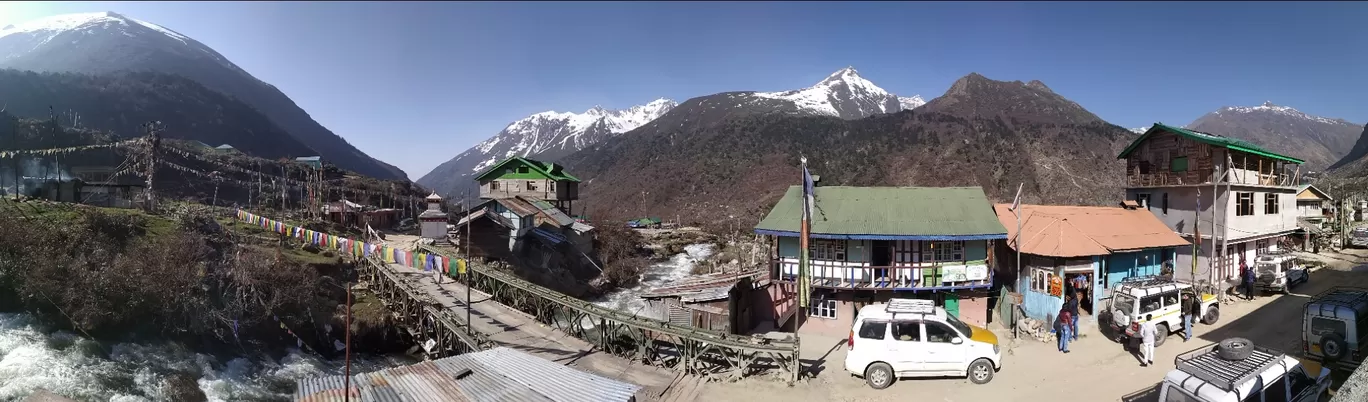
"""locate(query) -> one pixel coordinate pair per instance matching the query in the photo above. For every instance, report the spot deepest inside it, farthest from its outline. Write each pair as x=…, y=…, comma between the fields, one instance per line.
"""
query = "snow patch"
x=58, y=24
x=1269, y=107
x=821, y=98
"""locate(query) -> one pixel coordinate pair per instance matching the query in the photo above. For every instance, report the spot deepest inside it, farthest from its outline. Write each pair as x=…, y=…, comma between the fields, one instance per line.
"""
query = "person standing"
x=1147, y=333
x=1072, y=305
x=1247, y=277
x=1188, y=300
x=1062, y=329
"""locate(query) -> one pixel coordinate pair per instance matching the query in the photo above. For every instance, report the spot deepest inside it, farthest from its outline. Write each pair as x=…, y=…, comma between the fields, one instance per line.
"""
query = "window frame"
x=1271, y=206
x=1174, y=165
x=926, y=330
x=883, y=334
x=1165, y=202
x=1040, y=279
x=943, y=251
x=823, y=307
x=493, y=185
x=918, y=324
x=827, y=249
x=1244, y=203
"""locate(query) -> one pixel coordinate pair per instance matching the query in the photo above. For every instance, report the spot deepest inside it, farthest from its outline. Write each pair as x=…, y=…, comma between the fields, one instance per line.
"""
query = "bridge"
x=509, y=311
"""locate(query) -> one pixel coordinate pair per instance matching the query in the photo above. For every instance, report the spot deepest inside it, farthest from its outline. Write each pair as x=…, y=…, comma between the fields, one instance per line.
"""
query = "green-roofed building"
x=518, y=176
x=1179, y=175
x=870, y=244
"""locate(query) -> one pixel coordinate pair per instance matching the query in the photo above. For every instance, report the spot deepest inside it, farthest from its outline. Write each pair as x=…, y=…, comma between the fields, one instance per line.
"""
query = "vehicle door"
x=943, y=353
x=1152, y=306
x=1321, y=327
x=1171, y=310
x=909, y=353
x=1302, y=387
x=872, y=344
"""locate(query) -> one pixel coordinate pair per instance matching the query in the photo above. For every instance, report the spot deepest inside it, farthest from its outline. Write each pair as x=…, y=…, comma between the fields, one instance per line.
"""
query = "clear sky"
x=414, y=84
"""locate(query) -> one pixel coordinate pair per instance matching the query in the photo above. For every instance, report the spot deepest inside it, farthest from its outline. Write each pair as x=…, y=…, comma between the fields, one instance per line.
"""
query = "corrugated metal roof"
x=888, y=213
x=548, y=236
x=496, y=375
x=581, y=227
x=1209, y=138
x=1075, y=231
x=550, y=211
x=518, y=206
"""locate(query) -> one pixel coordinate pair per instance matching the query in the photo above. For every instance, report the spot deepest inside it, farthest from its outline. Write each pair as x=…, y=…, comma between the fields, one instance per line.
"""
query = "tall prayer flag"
x=804, y=277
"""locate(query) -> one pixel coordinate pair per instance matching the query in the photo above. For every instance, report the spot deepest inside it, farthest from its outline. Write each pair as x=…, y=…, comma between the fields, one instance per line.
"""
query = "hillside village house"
x=1171, y=171
x=1101, y=244
x=1314, y=214
x=871, y=244
x=522, y=177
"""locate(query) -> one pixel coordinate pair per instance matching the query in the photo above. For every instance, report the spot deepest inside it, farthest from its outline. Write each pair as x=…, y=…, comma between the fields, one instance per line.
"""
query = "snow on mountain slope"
x=844, y=94
x=1321, y=141
x=1139, y=130
x=106, y=42
x=551, y=135
x=1269, y=108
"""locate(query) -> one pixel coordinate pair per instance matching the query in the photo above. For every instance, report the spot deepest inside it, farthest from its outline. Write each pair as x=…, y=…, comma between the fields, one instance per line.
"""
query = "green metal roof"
x=550, y=170
x=1213, y=139
x=888, y=213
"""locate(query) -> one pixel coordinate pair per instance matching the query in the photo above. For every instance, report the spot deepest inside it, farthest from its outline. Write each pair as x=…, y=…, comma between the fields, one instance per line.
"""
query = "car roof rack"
x=910, y=306
x=1341, y=296
x=1206, y=364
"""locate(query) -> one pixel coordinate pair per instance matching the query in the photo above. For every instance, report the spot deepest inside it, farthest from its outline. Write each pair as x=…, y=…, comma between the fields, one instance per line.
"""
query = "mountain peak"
x=843, y=94
x=52, y=26
x=1036, y=84
x=980, y=96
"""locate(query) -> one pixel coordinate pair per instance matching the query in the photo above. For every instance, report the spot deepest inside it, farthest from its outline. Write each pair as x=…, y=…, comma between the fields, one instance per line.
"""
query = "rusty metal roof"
x=1076, y=231
x=495, y=375
x=702, y=288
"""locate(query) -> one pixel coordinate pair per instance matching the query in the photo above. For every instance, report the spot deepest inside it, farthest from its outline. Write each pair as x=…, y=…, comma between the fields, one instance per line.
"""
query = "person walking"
x=1062, y=329
x=1247, y=277
x=1147, y=333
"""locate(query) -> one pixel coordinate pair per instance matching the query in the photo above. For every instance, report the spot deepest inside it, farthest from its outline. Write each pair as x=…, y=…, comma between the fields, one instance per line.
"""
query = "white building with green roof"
x=522, y=177
x=870, y=244
x=1180, y=175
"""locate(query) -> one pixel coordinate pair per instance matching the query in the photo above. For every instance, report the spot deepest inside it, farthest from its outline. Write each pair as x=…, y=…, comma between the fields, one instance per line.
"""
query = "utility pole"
x=469, y=222
x=154, y=142
x=1225, y=217
x=346, y=386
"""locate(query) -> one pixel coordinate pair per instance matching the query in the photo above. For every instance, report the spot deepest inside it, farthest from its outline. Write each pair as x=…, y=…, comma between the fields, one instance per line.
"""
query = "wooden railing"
x=950, y=275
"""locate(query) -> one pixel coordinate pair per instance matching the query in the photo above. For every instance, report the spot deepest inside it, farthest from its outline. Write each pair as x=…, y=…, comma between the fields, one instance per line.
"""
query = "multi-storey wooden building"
x=870, y=244
x=1241, y=198
x=528, y=178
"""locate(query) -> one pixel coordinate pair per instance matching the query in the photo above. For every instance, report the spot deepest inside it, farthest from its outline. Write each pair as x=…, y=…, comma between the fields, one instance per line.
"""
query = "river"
x=665, y=273
x=35, y=356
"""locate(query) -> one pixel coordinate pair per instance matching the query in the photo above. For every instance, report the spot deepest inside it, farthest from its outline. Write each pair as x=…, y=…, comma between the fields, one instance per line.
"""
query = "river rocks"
x=182, y=388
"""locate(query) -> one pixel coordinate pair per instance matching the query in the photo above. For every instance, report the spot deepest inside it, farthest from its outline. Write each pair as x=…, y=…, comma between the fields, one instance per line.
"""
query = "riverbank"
x=107, y=304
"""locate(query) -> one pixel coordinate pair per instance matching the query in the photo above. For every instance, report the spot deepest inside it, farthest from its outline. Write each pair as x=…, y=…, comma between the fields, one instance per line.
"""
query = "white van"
x=914, y=338
x=1236, y=370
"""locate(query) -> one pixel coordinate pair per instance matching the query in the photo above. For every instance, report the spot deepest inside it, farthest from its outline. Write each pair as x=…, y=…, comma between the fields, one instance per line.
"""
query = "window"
x=493, y=185
x=1165, y=203
x=822, y=308
x=1299, y=383
x=939, y=333
x=1324, y=326
x=1277, y=391
x=1040, y=279
x=907, y=331
x=873, y=330
x=1271, y=203
x=551, y=186
x=1149, y=304
x=522, y=169
x=1178, y=164
x=936, y=251
x=531, y=185
x=1178, y=394
x=1170, y=299
x=826, y=249
x=1143, y=200
x=1244, y=204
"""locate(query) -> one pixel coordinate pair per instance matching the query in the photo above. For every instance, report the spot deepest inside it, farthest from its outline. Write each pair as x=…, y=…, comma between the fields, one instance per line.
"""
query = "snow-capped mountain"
x=1139, y=130
x=1320, y=141
x=107, y=42
x=844, y=94
x=550, y=136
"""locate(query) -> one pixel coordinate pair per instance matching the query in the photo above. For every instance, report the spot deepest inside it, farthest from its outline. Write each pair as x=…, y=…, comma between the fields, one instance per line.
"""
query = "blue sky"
x=416, y=83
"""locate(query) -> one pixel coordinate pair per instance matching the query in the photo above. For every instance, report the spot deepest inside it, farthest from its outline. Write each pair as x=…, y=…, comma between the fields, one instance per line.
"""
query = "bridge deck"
x=512, y=328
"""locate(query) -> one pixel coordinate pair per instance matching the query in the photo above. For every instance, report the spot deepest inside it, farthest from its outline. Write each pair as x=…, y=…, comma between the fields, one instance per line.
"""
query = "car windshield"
x=959, y=325
x=1123, y=302
x=1268, y=268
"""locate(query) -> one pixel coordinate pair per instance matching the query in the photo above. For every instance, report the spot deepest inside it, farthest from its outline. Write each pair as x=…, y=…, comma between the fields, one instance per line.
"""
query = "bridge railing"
x=695, y=351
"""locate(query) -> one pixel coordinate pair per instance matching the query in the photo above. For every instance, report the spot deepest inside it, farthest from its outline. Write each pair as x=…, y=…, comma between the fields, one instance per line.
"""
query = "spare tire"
x=1332, y=347
x=1235, y=349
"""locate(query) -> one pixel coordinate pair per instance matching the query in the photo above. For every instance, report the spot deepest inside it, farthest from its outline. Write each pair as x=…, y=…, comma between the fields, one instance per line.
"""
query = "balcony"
x=1134, y=178
x=942, y=276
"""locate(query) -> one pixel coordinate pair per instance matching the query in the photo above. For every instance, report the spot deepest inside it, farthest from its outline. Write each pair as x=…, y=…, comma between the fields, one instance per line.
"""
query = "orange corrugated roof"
x=1075, y=231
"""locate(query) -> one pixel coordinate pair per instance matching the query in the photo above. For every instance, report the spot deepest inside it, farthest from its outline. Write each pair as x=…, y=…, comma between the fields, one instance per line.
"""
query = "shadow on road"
x=1147, y=394
x=817, y=366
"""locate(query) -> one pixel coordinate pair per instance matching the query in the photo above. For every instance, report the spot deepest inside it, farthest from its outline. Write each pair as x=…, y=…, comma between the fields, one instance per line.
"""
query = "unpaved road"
x=1096, y=370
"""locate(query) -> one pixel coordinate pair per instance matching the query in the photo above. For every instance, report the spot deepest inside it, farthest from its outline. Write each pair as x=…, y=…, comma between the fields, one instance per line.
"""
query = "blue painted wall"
x=1037, y=305
x=1139, y=263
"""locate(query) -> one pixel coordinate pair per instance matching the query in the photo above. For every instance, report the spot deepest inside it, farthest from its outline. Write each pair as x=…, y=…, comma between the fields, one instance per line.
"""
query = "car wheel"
x=1332, y=347
x=1212, y=315
x=980, y=371
x=1234, y=349
x=879, y=375
x=1161, y=333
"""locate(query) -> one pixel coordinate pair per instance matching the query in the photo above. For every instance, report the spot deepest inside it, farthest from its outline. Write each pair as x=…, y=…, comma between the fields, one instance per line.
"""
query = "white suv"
x=1138, y=299
x=914, y=338
x=1236, y=370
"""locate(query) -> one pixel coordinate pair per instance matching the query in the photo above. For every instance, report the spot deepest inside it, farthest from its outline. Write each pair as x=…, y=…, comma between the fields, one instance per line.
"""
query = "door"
x=907, y=351
x=952, y=304
x=881, y=255
x=941, y=354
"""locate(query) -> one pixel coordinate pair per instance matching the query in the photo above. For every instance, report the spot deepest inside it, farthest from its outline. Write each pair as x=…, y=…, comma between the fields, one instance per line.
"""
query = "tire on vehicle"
x=1212, y=315
x=1161, y=333
x=879, y=375
x=1235, y=349
x=980, y=371
x=1332, y=347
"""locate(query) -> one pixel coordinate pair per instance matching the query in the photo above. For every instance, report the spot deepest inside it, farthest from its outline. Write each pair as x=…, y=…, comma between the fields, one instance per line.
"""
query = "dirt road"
x=1096, y=370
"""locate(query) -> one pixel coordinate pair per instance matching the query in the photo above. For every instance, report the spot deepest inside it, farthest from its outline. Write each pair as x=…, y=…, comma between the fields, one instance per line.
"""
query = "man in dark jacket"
x=1247, y=276
x=1188, y=307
